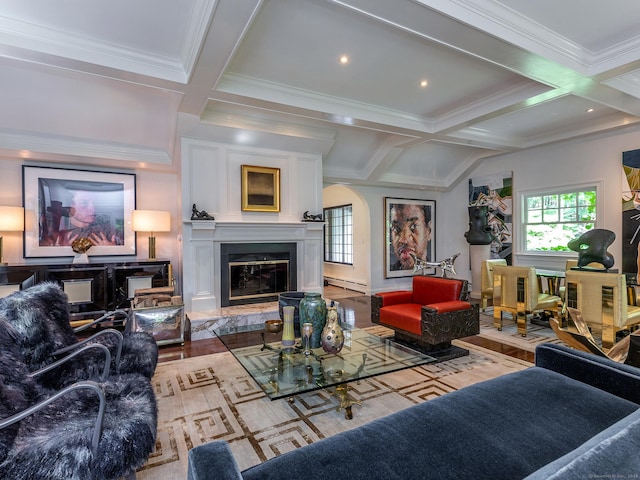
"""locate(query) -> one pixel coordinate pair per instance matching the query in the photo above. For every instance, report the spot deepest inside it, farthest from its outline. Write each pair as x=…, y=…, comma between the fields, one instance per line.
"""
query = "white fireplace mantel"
x=201, y=264
x=211, y=179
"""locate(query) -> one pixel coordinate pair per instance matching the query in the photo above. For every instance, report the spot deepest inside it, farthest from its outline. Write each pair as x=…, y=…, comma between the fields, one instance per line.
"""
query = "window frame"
x=326, y=235
x=555, y=190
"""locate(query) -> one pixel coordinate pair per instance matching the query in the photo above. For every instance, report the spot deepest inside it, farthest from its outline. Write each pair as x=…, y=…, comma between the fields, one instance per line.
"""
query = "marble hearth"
x=204, y=323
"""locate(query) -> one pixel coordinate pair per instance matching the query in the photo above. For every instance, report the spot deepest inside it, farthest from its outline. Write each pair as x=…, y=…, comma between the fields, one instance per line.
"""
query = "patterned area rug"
x=212, y=398
x=510, y=336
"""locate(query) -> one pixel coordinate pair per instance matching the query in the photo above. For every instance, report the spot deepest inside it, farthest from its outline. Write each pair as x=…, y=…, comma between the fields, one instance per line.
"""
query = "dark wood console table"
x=93, y=288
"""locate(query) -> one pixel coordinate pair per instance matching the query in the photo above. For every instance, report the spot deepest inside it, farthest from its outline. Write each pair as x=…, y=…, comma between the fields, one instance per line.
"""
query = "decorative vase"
x=332, y=336
x=307, y=331
x=313, y=310
x=288, y=335
x=293, y=299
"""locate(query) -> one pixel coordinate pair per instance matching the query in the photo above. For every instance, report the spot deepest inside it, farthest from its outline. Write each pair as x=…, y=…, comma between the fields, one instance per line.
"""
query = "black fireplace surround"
x=256, y=272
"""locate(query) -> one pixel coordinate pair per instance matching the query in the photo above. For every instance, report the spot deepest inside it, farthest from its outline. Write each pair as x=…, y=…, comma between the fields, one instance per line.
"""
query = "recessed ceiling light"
x=423, y=83
x=344, y=59
x=589, y=110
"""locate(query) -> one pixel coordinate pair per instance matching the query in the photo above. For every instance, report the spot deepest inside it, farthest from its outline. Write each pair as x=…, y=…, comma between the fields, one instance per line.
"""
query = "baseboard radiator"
x=348, y=284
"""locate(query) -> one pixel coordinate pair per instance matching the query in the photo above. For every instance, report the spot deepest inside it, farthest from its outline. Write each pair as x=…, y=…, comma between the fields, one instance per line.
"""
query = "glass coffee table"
x=286, y=372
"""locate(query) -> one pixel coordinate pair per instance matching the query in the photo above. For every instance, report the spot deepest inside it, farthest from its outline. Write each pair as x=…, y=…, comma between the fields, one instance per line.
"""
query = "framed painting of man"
x=63, y=205
x=409, y=235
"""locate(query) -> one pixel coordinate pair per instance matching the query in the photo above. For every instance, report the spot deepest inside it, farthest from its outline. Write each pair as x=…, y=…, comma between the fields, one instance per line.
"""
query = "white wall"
x=589, y=159
x=356, y=276
x=154, y=191
x=592, y=159
x=369, y=223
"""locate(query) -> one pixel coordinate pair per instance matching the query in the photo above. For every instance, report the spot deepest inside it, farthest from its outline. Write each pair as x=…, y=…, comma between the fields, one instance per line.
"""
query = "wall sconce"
x=151, y=221
x=11, y=220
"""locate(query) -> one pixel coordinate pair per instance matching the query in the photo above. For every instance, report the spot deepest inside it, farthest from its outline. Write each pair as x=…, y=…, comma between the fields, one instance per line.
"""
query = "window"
x=338, y=235
x=552, y=219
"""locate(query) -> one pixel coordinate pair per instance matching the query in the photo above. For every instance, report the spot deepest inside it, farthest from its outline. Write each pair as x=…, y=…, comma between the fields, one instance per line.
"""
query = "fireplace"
x=256, y=272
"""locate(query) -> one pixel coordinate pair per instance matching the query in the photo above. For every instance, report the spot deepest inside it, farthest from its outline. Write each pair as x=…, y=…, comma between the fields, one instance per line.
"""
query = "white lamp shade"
x=11, y=219
x=150, y=221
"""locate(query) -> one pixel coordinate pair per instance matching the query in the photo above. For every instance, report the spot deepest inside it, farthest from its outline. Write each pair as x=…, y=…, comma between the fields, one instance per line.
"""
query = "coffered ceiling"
x=120, y=82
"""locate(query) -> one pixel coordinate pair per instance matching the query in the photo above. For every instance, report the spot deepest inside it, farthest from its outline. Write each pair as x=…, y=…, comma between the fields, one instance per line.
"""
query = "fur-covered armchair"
x=40, y=314
x=102, y=429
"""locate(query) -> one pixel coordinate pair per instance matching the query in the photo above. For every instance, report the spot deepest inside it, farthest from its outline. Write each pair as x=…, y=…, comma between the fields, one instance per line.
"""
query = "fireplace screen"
x=257, y=279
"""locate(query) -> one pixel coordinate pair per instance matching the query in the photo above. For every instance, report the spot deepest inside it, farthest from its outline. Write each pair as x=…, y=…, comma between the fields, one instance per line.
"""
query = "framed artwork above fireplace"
x=260, y=189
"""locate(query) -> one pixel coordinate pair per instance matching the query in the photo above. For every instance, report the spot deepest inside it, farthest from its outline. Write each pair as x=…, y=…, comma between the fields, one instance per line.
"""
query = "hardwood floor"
x=357, y=312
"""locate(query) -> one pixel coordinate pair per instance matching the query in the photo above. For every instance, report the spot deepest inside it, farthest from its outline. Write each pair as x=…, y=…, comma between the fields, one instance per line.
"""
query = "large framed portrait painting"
x=63, y=205
x=409, y=235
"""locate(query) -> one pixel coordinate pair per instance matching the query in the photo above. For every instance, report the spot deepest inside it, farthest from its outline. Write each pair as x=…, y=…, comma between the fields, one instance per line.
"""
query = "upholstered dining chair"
x=516, y=291
x=603, y=300
x=486, y=280
x=573, y=263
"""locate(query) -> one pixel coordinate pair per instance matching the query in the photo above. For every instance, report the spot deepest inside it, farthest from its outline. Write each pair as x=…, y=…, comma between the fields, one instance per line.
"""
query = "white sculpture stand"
x=477, y=254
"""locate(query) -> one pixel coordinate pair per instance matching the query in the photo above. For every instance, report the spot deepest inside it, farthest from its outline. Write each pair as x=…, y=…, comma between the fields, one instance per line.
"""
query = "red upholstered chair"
x=428, y=317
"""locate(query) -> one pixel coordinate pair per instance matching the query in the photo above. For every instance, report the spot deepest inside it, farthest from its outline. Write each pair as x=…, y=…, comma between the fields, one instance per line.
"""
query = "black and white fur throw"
x=41, y=315
x=55, y=443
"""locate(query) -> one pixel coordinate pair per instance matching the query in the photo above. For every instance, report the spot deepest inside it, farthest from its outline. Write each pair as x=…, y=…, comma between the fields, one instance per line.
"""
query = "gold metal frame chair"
x=516, y=290
x=603, y=300
x=486, y=280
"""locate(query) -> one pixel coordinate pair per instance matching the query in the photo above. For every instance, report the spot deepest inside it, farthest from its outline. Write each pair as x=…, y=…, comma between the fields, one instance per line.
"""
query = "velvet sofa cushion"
x=504, y=428
x=212, y=459
x=611, y=453
x=599, y=372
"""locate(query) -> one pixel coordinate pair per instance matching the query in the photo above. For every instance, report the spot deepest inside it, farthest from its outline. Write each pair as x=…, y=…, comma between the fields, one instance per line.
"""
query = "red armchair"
x=435, y=312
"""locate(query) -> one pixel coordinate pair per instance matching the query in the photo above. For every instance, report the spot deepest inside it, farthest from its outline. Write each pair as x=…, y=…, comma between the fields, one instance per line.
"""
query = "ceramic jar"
x=332, y=338
x=313, y=309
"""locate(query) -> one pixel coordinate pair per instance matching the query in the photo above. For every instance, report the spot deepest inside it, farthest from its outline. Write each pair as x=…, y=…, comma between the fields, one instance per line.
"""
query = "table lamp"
x=151, y=221
x=11, y=220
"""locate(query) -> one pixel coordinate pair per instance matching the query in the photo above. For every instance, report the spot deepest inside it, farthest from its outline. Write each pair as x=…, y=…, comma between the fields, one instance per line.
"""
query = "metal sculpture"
x=447, y=265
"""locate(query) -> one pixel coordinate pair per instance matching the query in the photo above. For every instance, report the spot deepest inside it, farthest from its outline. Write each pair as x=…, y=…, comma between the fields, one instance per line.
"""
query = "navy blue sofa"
x=571, y=416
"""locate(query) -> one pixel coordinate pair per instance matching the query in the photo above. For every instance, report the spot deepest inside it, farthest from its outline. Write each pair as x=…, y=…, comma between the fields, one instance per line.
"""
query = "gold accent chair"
x=603, y=300
x=516, y=291
x=486, y=280
x=568, y=266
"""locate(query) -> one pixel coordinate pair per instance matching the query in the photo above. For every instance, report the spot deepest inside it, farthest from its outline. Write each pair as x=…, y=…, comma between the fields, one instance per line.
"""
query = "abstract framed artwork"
x=409, y=235
x=631, y=214
x=260, y=189
x=63, y=205
x=495, y=192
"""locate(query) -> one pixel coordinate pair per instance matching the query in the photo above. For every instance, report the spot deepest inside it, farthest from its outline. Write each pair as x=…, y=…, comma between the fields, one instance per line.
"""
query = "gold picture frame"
x=260, y=189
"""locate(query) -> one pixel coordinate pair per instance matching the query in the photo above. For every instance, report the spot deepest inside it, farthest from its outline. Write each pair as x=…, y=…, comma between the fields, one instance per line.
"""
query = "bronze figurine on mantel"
x=200, y=214
x=307, y=217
